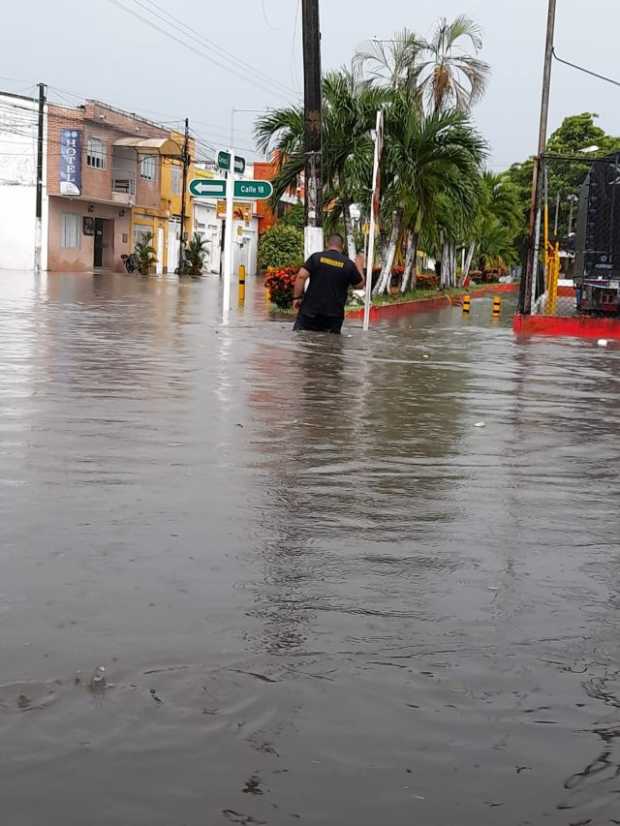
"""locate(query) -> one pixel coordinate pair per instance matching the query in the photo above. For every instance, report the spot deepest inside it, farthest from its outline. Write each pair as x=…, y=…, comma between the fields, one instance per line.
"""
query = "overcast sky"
x=95, y=49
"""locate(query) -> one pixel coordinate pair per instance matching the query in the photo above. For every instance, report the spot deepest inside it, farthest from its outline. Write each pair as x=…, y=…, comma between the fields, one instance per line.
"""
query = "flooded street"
x=320, y=592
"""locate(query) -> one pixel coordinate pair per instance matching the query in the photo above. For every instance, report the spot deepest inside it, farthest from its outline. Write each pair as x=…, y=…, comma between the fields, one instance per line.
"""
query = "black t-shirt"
x=331, y=275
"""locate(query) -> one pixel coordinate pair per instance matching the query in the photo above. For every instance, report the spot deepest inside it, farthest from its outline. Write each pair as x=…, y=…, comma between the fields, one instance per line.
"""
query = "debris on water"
x=480, y=424
x=426, y=356
x=252, y=786
x=602, y=342
x=237, y=817
x=521, y=769
x=153, y=693
x=23, y=702
x=98, y=680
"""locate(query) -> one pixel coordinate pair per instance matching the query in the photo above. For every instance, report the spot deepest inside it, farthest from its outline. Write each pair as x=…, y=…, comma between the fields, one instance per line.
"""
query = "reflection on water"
x=319, y=591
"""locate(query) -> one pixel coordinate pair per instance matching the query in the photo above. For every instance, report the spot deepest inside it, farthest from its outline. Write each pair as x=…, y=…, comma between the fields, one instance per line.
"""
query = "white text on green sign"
x=223, y=162
x=253, y=190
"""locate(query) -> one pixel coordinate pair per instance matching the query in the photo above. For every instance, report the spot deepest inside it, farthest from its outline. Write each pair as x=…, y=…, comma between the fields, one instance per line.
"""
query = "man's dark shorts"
x=319, y=323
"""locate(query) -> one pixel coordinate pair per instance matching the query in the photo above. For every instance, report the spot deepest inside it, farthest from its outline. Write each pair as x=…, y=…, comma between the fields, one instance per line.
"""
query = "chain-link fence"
x=578, y=241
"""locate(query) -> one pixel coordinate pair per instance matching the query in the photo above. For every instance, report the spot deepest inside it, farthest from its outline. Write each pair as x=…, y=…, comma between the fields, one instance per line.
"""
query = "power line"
x=266, y=19
x=251, y=78
x=204, y=40
x=584, y=70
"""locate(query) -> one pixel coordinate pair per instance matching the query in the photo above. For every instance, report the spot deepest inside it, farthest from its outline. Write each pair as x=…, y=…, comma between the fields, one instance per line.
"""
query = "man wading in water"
x=330, y=274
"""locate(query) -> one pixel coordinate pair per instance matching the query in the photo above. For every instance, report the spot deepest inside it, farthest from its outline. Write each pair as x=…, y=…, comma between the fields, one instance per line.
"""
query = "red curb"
x=421, y=305
x=575, y=327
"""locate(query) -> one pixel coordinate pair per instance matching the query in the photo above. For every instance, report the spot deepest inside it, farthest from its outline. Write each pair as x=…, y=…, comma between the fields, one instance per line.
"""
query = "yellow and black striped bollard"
x=497, y=306
x=466, y=304
x=241, y=284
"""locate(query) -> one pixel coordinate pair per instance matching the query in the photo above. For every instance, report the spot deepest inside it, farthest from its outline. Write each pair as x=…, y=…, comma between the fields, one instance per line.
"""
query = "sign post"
x=374, y=214
x=228, y=237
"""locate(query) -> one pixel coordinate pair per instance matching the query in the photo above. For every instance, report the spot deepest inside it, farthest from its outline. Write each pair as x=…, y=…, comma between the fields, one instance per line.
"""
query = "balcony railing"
x=124, y=191
x=126, y=185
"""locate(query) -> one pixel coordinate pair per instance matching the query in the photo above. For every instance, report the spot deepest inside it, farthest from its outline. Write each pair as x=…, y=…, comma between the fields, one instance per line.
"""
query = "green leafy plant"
x=195, y=253
x=294, y=216
x=281, y=246
x=145, y=254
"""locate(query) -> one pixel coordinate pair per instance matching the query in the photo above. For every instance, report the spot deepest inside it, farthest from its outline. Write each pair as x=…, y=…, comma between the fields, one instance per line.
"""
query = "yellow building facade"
x=164, y=222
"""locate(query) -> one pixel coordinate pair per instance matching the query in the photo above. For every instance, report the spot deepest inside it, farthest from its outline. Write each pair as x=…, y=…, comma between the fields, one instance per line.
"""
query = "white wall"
x=18, y=160
x=245, y=246
x=209, y=226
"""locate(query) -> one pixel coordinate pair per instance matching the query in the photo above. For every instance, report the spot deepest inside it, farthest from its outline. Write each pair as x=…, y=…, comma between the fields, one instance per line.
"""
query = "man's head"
x=335, y=242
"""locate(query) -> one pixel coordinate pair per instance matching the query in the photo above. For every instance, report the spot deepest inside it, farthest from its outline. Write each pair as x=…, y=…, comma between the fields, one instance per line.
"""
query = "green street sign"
x=223, y=162
x=207, y=188
x=253, y=190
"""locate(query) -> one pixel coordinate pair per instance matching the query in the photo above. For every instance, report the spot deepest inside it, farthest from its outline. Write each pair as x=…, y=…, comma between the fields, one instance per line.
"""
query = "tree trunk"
x=348, y=230
x=410, y=261
x=469, y=259
x=453, y=264
x=386, y=272
x=445, y=265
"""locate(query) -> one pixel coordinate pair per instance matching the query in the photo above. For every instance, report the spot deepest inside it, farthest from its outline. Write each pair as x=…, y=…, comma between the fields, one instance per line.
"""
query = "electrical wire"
x=255, y=80
x=293, y=65
x=584, y=70
x=266, y=19
x=204, y=40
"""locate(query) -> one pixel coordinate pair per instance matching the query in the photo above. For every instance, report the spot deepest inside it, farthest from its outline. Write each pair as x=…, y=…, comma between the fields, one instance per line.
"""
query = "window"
x=141, y=232
x=147, y=167
x=177, y=179
x=70, y=231
x=95, y=153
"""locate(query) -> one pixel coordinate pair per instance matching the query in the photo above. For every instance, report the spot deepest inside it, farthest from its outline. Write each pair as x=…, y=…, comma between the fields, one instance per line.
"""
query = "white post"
x=228, y=240
x=371, y=234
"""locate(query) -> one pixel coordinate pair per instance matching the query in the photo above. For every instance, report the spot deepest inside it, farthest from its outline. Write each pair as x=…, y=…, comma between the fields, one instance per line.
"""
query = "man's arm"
x=298, y=287
x=359, y=263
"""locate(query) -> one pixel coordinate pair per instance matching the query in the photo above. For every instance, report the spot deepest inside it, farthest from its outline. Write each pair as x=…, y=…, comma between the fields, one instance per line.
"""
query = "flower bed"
x=280, y=282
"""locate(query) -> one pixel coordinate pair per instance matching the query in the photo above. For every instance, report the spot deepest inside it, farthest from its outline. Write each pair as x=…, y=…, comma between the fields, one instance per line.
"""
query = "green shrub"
x=281, y=246
x=294, y=216
x=194, y=253
x=145, y=254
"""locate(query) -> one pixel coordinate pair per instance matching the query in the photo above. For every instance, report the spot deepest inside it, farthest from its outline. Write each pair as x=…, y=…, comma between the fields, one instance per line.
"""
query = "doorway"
x=98, y=258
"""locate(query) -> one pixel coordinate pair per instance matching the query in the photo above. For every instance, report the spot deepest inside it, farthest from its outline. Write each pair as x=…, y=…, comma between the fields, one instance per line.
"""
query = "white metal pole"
x=228, y=240
x=369, y=268
x=371, y=236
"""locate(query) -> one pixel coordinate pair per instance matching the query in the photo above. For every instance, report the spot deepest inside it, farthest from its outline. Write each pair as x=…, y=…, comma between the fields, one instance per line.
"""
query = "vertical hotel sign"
x=70, y=162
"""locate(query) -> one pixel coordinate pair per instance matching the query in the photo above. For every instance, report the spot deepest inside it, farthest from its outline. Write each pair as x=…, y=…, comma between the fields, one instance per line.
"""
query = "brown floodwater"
x=320, y=592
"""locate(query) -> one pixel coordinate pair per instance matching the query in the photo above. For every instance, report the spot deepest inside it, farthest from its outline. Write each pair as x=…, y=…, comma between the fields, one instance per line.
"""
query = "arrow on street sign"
x=253, y=190
x=223, y=162
x=207, y=188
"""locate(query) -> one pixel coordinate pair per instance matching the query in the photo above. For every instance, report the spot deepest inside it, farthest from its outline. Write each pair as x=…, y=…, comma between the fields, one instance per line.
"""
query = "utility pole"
x=528, y=282
x=186, y=161
x=312, y=126
x=38, y=230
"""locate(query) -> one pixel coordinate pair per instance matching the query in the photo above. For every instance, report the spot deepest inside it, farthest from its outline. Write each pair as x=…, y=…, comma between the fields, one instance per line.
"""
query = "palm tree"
x=449, y=77
x=391, y=64
x=195, y=254
x=145, y=254
x=429, y=161
x=496, y=220
x=349, y=114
